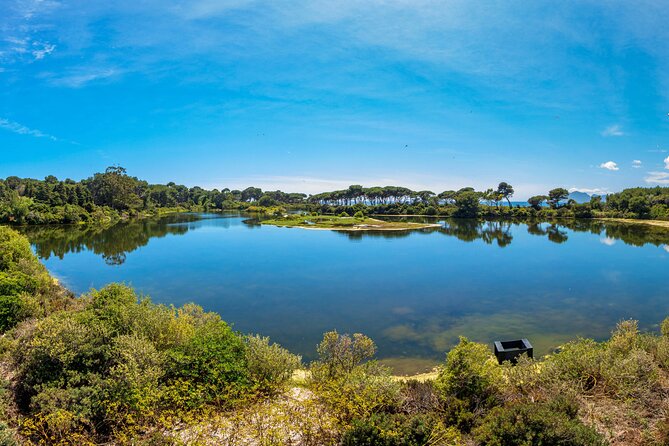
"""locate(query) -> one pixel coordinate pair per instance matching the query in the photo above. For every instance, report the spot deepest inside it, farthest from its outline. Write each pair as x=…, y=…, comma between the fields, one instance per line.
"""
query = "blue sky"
x=312, y=96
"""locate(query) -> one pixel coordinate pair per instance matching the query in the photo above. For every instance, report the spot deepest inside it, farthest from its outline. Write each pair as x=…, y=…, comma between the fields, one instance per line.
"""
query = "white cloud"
x=666, y=163
x=613, y=130
x=591, y=191
x=665, y=247
x=657, y=178
x=608, y=241
x=609, y=165
x=23, y=130
x=636, y=164
x=81, y=76
x=42, y=49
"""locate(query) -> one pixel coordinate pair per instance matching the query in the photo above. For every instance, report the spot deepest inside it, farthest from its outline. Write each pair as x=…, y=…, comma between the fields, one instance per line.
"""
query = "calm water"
x=414, y=293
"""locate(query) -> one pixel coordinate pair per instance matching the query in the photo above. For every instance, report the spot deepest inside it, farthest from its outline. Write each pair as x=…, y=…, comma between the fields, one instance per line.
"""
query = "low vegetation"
x=111, y=367
x=343, y=222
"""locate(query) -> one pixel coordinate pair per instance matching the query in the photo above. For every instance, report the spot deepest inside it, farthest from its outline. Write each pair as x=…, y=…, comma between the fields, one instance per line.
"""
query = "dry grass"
x=662, y=223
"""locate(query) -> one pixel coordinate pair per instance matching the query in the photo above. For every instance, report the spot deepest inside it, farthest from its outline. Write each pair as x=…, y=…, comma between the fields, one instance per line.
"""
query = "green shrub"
x=623, y=367
x=212, y=364
x=270, y=366
x=430, y=210
x=536, y=424
x=390, y=430
x=359, y=214
x=664, y=327
x=471, y=374
x=17, y=282
x=340, y=354
x=344, y=215
x=11, y=312
x=578, y=363
x=13, y=248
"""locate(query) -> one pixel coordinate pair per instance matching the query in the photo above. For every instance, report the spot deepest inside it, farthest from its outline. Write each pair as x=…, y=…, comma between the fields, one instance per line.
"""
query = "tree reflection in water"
x=114, y=242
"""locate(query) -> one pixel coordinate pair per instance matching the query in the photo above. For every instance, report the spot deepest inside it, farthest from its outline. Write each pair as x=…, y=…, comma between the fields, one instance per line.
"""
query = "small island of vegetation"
x=344, y=222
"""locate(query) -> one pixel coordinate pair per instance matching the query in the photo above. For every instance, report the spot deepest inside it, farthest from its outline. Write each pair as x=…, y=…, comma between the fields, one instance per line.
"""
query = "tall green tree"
x=555, y=196
x=114, y=188
x=506, y=191
x=536, y=201
x=468, y=203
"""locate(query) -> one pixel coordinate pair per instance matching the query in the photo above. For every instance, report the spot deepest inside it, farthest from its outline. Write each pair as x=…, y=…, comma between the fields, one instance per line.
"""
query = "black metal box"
x=510, y=350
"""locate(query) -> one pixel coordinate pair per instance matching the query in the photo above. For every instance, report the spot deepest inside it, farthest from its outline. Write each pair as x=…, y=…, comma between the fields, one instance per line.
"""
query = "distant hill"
x=583, y=197
x=579, y=197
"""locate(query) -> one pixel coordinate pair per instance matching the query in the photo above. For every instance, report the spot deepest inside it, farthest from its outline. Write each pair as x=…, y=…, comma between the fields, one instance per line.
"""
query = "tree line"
x=113, y=194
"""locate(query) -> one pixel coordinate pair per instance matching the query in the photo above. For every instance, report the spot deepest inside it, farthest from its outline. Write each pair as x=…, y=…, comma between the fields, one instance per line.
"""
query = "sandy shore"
x=661, y=223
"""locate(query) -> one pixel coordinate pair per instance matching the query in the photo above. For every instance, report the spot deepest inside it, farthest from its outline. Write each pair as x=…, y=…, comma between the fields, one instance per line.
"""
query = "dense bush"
x=536, y=424
x=26, y=289
x=349, y=386
x=118, y=362
x=270, y=365
x=469, y=381
x=393, y=430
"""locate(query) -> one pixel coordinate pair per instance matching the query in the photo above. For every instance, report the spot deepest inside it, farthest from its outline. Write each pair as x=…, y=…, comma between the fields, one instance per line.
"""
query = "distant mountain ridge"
x=579, y=197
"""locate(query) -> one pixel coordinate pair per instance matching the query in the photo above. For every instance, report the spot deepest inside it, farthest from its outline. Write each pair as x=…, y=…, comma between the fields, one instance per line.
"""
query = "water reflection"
x=113, y=243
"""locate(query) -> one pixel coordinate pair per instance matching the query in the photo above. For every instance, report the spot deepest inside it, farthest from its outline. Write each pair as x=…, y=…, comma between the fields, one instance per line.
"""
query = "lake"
x=412, y=292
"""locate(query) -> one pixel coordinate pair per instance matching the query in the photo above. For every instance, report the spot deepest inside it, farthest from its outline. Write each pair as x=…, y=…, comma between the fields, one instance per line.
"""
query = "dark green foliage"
x=11, y=311
x=557, y=196
x=113, y=195
x=266, y=200
x=467, y=204
x=389, y=430
x=468, y=383
x=212, y=362
x=431, y=210
x=640, y=202
x=25, y=286
x=536, y=424
x=118, y=360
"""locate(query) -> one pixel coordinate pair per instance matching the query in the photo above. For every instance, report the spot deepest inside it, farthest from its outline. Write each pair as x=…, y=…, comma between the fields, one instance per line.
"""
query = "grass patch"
x=345, y=223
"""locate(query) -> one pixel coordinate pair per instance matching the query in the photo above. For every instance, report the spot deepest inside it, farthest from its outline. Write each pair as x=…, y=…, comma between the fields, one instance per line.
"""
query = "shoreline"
x=658, y=223
x=370, y=224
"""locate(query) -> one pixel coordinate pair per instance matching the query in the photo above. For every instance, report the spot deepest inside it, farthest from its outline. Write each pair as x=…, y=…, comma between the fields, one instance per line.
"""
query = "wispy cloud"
x=666, y=163
x=609, y=165
x=613, y=130
x=81, y=76
x=19, y=47
x=42, y=49
x=636, y=164
x=657, y=178
x=23, y=130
